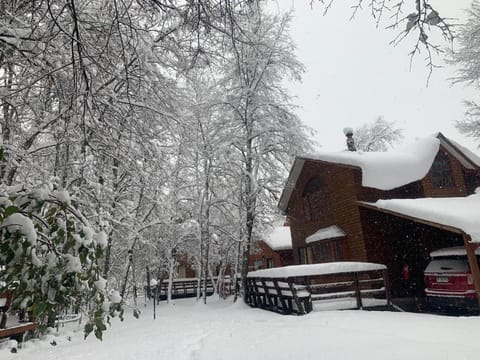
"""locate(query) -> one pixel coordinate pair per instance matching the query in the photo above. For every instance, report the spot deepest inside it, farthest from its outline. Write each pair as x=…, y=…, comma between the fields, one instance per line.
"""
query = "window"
x=257, y=264
x=269, y=263
x=327, y=251
x=441, y=173
x=316, y=203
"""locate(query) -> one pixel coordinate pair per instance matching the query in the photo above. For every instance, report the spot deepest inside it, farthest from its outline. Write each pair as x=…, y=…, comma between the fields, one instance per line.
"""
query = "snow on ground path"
x=220, y=330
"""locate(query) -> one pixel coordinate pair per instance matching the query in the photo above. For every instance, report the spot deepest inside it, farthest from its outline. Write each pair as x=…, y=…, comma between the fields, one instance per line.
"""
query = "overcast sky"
x=353, y=75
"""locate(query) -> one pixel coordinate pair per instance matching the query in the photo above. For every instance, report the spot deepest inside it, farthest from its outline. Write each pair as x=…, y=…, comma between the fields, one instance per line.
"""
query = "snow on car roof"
x=279, y=238
x=316, y=269
x=452, y=251
x=390, y=169
x=329, y=232
x=458, y=212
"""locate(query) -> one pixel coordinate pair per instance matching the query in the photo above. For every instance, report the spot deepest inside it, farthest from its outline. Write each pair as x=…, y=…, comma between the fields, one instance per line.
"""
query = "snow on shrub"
x=51, y=258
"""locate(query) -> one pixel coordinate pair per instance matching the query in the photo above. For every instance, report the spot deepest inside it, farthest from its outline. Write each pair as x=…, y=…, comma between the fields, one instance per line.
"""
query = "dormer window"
x=441, y=172
x=316, y=203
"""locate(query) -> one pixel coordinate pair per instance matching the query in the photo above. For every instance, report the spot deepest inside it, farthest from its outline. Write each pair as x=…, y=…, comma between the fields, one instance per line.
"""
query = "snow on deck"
x=279, y=239
x=329, y=232
x=316, y=269
x=391, y=169
x=462, y=213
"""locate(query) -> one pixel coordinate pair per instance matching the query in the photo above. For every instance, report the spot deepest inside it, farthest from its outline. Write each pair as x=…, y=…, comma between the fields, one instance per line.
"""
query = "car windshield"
x=448, y=265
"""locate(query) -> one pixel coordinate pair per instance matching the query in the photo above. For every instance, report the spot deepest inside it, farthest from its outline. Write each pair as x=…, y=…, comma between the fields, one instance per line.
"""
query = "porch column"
x=472, y=260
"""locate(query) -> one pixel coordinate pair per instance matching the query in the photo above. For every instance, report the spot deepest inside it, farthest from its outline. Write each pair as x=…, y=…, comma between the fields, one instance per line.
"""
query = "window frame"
x=327, y=250
x=315, y=200
x=441, y=174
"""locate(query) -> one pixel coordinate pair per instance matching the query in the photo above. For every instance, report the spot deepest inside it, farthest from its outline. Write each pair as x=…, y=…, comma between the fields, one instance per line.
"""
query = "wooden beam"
x=472, y=260
x=19, y=329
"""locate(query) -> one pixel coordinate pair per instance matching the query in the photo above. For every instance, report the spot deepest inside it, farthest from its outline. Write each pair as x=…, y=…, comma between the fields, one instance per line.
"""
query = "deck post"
x=386, y=285
x=299, y=304
x=358, y=293
x=249, y=295
x=267, y=293
x=280, y=295
x=258, y=296
x=472, y=260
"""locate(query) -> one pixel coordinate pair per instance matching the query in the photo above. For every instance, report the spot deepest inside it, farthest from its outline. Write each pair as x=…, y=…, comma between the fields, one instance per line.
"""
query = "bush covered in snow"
x=50, y=257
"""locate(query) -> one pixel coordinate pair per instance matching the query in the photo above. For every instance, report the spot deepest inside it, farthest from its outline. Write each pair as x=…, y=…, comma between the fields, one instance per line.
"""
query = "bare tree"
x=266, y=131
x=377, y=136
x=467, y=59
x=417, y=18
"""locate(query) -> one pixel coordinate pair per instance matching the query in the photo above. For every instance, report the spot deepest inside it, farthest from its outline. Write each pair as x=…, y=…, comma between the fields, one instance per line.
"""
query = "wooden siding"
x=413, y=190
x=472, y=180
x=342, y=184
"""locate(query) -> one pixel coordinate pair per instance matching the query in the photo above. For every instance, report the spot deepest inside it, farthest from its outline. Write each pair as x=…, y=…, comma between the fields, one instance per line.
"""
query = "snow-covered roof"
x=329, y=232
x=452, y=251
x=316, y=269
x=462, y=213
x=279, y=238
x=463, y=154
x=386, y=170
x=391, y=169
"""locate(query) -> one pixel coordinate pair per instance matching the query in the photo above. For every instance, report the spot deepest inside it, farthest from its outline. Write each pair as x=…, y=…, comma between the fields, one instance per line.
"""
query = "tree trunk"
x=171, y=270
x=250, y=207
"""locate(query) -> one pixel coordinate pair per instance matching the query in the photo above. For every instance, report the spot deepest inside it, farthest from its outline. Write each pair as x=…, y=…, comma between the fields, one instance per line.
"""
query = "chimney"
x=350, y=142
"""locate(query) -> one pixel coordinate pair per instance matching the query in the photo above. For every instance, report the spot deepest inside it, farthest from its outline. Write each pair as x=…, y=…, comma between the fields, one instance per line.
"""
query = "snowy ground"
x=222, y=330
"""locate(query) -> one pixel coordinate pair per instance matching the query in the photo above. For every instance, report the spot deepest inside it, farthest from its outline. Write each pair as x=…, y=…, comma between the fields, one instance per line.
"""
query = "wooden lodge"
x=338, y=207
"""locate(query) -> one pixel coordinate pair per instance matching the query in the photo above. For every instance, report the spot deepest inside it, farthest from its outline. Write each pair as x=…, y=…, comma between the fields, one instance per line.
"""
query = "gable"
x=386, y=170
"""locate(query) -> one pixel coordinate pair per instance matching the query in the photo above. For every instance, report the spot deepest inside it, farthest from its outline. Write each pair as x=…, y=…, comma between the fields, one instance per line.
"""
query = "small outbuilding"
x=273, y=251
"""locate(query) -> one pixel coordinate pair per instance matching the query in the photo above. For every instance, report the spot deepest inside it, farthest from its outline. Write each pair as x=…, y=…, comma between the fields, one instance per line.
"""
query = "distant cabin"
x=274, y=251
x=384, y=207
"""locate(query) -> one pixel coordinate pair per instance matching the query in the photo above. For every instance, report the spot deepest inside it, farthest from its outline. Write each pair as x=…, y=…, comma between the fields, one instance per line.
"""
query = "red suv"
x=449, y=282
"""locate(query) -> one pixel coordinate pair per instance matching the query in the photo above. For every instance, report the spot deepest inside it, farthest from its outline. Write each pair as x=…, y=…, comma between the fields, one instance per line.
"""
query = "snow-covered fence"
x=281, y=296
x=292, y=289
x=187, y=287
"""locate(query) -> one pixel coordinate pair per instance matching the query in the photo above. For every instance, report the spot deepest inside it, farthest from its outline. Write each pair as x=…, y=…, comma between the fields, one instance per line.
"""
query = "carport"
x=457, y=215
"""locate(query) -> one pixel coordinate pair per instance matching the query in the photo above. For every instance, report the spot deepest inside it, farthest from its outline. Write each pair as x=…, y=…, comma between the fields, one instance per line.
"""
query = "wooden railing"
x=183, y=288
x=299, y=294
x=12, y=326
x=279, y=295
x=364, y=287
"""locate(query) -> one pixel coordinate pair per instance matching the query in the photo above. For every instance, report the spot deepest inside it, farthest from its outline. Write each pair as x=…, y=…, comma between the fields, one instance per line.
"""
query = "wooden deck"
x=10, y=324
x=301, y=294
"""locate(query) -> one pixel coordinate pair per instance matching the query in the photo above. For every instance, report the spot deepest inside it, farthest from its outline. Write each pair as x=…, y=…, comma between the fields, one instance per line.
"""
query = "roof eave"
x=372, y=206
x=456, y=152
x=295, y=171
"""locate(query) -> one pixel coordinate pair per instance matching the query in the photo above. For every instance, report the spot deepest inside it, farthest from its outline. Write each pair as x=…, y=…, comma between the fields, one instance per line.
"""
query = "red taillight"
x=429, y=280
